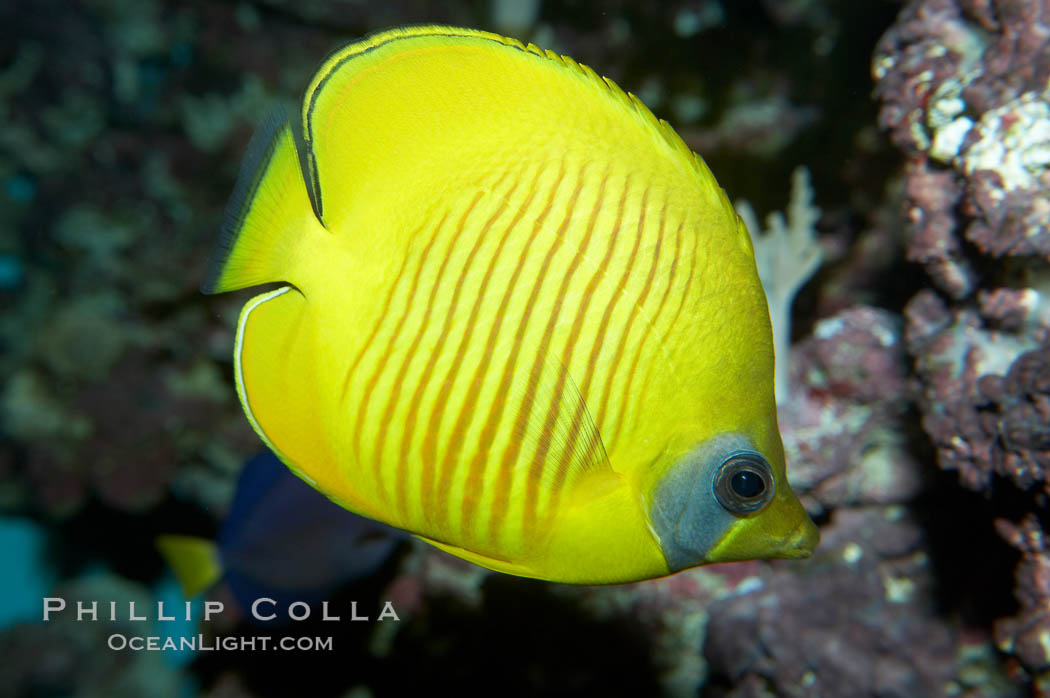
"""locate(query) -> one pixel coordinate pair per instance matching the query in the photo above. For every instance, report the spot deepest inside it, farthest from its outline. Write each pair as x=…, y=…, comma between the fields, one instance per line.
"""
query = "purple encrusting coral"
x=963, y=85
x=842, y=429
x=1025, y=635
x=880, y=632
x=965, y=91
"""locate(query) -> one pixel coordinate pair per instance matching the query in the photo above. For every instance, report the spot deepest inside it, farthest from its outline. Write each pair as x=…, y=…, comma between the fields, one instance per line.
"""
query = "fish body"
x=520, y=318
x=282, y=540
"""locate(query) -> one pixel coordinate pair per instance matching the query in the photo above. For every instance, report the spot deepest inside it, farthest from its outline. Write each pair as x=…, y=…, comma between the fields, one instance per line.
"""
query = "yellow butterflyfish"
x=517, y=316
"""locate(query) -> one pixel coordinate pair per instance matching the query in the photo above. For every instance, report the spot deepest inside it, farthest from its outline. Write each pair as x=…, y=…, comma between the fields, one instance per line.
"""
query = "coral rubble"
x=965, y=95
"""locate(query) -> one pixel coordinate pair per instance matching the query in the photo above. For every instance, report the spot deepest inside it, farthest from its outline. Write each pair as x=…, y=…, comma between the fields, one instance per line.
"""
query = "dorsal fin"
x=334, y=158
x=268, y=214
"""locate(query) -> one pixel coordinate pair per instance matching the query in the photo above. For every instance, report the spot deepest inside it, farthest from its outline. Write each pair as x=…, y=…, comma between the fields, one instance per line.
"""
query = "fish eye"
x=744, y=483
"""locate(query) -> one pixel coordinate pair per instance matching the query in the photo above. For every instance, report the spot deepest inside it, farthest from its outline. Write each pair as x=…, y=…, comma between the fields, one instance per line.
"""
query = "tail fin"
x=267, y=213
x=195, y=561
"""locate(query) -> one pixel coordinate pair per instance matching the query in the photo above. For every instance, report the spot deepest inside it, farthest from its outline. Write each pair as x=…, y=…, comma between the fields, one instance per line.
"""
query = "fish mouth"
x=801, y=542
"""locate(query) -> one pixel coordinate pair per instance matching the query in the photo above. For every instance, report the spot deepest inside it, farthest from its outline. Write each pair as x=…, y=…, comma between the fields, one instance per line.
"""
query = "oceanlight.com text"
x=231, y=643
x=263, y=609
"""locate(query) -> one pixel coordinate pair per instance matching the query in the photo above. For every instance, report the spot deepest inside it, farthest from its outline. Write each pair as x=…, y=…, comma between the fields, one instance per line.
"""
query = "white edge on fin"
x=238, y=372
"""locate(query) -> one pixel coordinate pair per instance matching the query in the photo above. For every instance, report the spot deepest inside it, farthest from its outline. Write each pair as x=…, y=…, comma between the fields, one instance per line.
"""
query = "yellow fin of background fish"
x=521, y=319
x=194, y=561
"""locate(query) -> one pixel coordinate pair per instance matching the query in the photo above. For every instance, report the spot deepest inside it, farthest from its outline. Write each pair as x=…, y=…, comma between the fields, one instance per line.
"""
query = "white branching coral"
x=787, y=254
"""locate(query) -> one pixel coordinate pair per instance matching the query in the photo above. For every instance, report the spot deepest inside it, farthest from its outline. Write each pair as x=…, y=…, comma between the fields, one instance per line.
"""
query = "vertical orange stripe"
x=649, y=326
x=385, y=355
x=630, y=323
x=430, y=467
x=685, y=291
x=677, y=314
x=634, y=309
x=400, y=481
x=466, y=412
x=580, y=409
x=379, y=321
x=510, y=455
x=505, y=473
x=472, y=495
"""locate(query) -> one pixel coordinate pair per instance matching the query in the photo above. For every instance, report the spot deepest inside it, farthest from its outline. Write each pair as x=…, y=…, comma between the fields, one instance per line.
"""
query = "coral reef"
x=965, y=94
x=963, y=85
x=1025, y=634
x=858, y=620
x=844, y=431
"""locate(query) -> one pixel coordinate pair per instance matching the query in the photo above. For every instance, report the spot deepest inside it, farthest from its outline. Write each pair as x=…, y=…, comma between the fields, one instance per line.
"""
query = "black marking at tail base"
x=308, y=166
x=253, y=169
x=305, y=133
x=308, y=159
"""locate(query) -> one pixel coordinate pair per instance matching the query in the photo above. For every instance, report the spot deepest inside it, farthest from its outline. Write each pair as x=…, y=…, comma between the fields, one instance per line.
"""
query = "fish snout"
x=801, y=542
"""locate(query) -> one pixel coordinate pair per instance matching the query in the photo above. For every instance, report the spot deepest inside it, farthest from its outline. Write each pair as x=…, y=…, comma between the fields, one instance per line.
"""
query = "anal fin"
x=492, y=563
x=279, y=371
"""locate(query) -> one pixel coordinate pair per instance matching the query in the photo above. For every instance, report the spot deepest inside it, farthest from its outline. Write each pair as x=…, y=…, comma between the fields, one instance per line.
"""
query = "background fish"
x=522, y=320
x=282, y=540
